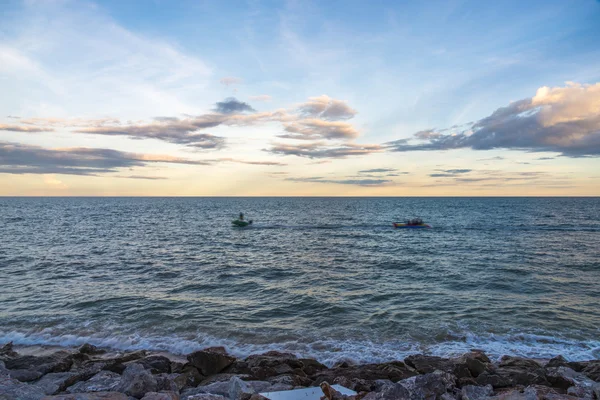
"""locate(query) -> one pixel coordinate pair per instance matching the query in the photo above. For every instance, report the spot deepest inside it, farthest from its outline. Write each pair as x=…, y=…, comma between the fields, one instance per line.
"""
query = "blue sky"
x=398, y=67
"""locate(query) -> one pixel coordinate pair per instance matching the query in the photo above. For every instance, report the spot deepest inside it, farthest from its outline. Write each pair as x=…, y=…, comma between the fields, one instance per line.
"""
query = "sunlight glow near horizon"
x=299, y=99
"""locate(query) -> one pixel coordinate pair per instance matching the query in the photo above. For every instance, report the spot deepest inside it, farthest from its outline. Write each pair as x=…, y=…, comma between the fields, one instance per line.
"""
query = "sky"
x=299, y=98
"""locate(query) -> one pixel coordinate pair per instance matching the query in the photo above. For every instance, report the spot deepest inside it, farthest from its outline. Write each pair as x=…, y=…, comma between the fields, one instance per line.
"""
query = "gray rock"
x=429, y=386
x=210, y=362
x=89, y=396
x=189, y=377
x=103, y=381
x=476, y=392
x=218, y=388
x=137, y=381
x=558, y=361
x=395, y=391
x=204, y=396
x=12, y=389
x=238, y=388
x=55, y=382
x=223, y=378
x=166, y=382
x=25, y=375
x=166, y=395
x=57, y=362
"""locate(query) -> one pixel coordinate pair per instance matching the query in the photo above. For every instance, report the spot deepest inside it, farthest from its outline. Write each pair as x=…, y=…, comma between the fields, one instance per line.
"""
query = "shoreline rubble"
x=91, y=373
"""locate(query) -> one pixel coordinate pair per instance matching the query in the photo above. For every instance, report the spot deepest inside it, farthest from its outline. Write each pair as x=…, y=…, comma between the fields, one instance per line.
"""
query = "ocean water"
x=322, y=277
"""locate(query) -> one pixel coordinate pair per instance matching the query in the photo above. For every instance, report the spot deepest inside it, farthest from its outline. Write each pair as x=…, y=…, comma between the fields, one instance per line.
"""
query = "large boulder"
x=90, y=349
x=392, y=391
x=210, y=361
x=59, y=361
x=25, y=375
x=156, y=364
x=89, y=396
x=12, y=389
x=55, y=382
x=189, y=377
x=576, y=383
x=591, y=369
x=103, y=381
x=8, y=351
x=136, y=381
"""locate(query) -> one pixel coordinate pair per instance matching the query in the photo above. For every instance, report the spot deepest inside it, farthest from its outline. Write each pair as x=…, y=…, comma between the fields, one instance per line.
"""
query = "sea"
x=328, y=278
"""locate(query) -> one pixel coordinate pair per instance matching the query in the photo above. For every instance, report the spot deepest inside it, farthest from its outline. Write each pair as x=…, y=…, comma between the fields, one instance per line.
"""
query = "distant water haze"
x=323, y=277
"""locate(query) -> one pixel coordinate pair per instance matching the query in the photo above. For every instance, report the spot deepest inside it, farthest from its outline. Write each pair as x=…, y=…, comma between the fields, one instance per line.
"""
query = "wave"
x=327, y=351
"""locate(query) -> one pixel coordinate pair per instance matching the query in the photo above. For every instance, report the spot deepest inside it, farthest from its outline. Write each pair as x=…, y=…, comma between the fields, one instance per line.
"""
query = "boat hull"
x=240, y=224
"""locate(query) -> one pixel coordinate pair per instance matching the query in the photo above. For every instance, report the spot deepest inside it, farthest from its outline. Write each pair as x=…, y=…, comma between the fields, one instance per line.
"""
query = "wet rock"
x=576, y=383
x=156, y=364
x=136, y=381
x=591, y=369
x=476, y=392
x=12, y=389
x=189, y=377
x=311, y=367
x=393, y=371
x=519, y=362
x=176, y=367
x=25, y=375
x=90, y=349
x=89, y=396
x=427, y=364
x=558, y=361
x=217, y=388
x=166, y=395
x=238, y=388
x=292, y=380
x=8, y=351
x=55, y=382
x=57, y=362
x=103, y=381
x=210, y=362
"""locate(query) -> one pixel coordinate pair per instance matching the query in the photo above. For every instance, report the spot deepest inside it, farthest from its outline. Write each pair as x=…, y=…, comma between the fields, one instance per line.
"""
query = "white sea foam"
x=328, y=351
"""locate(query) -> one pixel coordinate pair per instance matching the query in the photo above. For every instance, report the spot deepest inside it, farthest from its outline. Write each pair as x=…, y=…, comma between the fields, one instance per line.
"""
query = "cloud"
x=309, y=129
x=153, y=178
x=271, y=163
x=324, y=107
x=377, y=170
x=545, y=158
x=21, y=128
x=357, y=182
x=320, y=150
x=230, y=80
x=232, y=106
x=261, y=97
x=564, y=120
x=18, y=158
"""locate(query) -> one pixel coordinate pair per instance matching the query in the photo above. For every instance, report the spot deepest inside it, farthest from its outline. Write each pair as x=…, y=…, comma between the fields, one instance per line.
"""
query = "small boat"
x=413, y=223
x=241, y=224
x=405, y=225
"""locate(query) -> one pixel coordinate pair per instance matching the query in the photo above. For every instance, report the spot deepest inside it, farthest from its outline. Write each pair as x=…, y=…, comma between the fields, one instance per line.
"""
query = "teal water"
x=323, y=277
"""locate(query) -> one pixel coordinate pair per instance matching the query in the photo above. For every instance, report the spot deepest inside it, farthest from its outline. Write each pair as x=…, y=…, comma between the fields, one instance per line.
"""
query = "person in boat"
x=241, y=216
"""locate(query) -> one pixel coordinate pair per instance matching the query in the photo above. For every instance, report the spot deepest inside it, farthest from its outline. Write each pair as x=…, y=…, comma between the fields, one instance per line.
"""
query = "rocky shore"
x=90, y=373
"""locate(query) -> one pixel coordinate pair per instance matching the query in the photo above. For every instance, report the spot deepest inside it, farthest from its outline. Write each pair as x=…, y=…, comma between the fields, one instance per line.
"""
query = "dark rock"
x=497, y=381
x=395, y=391
x=558, y=361
x=429, y=386
x=90, y=349
x=576, y=382
x=8, y=351
x=176, y=367
x=238, y=368
x=257, y=397
x=25, y=375
x=55, y=382
x=476, y=392
x=136, y=381
x=166, y=382
x=189, y=377
x=210, y=362
x=12, y=389
x=332, y=394
x=89, y=396
x=393, y=371
x=217, y=388
x=519, y=362
x=428, y=364
x=57, y=362
x=591, y=369
x=156, y=364
x=103, y=381
x=311, y=367
x=165, y=395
